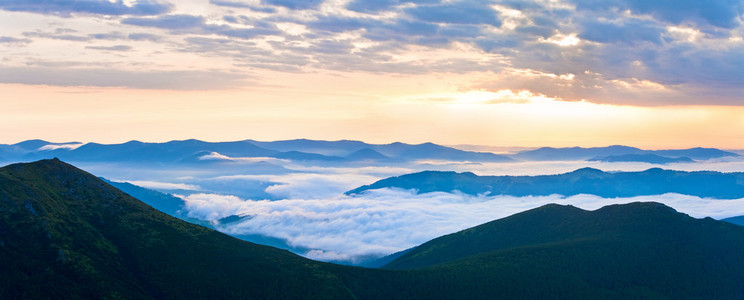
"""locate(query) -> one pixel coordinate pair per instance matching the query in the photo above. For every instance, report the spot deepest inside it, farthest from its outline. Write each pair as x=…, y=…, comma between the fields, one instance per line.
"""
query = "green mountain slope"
x=632, y=250
x=67, y=234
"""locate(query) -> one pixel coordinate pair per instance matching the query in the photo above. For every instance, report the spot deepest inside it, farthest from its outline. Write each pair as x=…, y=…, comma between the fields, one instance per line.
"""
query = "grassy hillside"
x=632, y=250
x=65, y=234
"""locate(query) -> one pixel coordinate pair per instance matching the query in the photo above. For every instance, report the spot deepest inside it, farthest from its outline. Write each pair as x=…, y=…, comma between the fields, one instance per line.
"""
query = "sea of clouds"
x=307, y=209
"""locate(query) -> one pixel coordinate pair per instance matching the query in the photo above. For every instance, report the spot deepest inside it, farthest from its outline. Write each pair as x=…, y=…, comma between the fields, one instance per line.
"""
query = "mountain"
x=578, y=153
x=696, y=153
x=739, y=220
x=575, y=153
x=330, y=148
x=395, y=150
x=191, y=150
x=434, y=151
x=166, y=203
x=67, y=234
x=653, y=181
x=647, y=158
x=366, y=154
x=173, y=151
x=300, y=156
x=636, y=250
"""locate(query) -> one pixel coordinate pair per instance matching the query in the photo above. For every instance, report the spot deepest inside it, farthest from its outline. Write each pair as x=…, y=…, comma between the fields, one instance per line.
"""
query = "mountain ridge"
x=654, y=181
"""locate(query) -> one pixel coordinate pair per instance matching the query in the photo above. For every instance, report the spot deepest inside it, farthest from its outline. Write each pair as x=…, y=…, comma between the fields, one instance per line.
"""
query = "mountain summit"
x=65, y=233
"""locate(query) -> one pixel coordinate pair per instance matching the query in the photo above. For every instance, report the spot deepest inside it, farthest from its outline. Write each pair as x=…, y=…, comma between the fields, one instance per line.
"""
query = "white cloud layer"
x=385, y=221
x=162, y=185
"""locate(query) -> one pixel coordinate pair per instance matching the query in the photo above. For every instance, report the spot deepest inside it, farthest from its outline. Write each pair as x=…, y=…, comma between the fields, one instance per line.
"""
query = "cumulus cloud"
x=690, y=48
x=389, y=220
x=67, y=8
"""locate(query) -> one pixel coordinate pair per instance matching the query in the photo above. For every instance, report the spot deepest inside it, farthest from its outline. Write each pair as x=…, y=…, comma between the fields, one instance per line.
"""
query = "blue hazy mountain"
x=433, y=151
x=739, y=220
x=647, y=158
x=695, y=153
x=578, y=153
x=161, y=152
x=25, y=149
x=367, y=154
x=330, y=148
x=166, y=203
x=300, y=156
x=67, y=234
x=396, y=150
x=301, y=150
x=653, y=181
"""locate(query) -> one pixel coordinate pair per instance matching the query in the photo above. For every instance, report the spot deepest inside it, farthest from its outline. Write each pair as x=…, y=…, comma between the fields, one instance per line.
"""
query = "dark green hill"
x=582, y=181
x=65, y=234
x=635, y=250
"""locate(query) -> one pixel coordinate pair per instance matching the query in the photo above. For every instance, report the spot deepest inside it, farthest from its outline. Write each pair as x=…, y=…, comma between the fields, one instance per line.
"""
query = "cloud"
x=632, y=31
x=172, y=22
x=162, y=185
x=218, y=156
x=719, y=13
x=389, y=220
x=67, y=8
x=463, y=12
x=375, y=6
x=59, y=34
x=243, y=5
x=616, y=49
x=144, y=37
x=306, y=185
x=66, y=76
x=7, y=40
x=121, y=48
x=71, y=146
x=295, y=4
x=198, y=25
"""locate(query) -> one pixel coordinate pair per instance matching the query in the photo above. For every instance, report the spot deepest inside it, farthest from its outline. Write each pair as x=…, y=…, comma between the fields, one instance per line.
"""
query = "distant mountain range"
x=191, y=151
x=578, y=153
x=647, y=158
x=67, y=234
x=653, y=181
x=344, y=151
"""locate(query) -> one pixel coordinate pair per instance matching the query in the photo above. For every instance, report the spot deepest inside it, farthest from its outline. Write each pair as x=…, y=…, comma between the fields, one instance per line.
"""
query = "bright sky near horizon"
x=651, y=74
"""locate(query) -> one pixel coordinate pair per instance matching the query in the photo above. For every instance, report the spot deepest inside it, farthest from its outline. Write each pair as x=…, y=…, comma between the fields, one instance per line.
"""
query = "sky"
x=651, y=74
